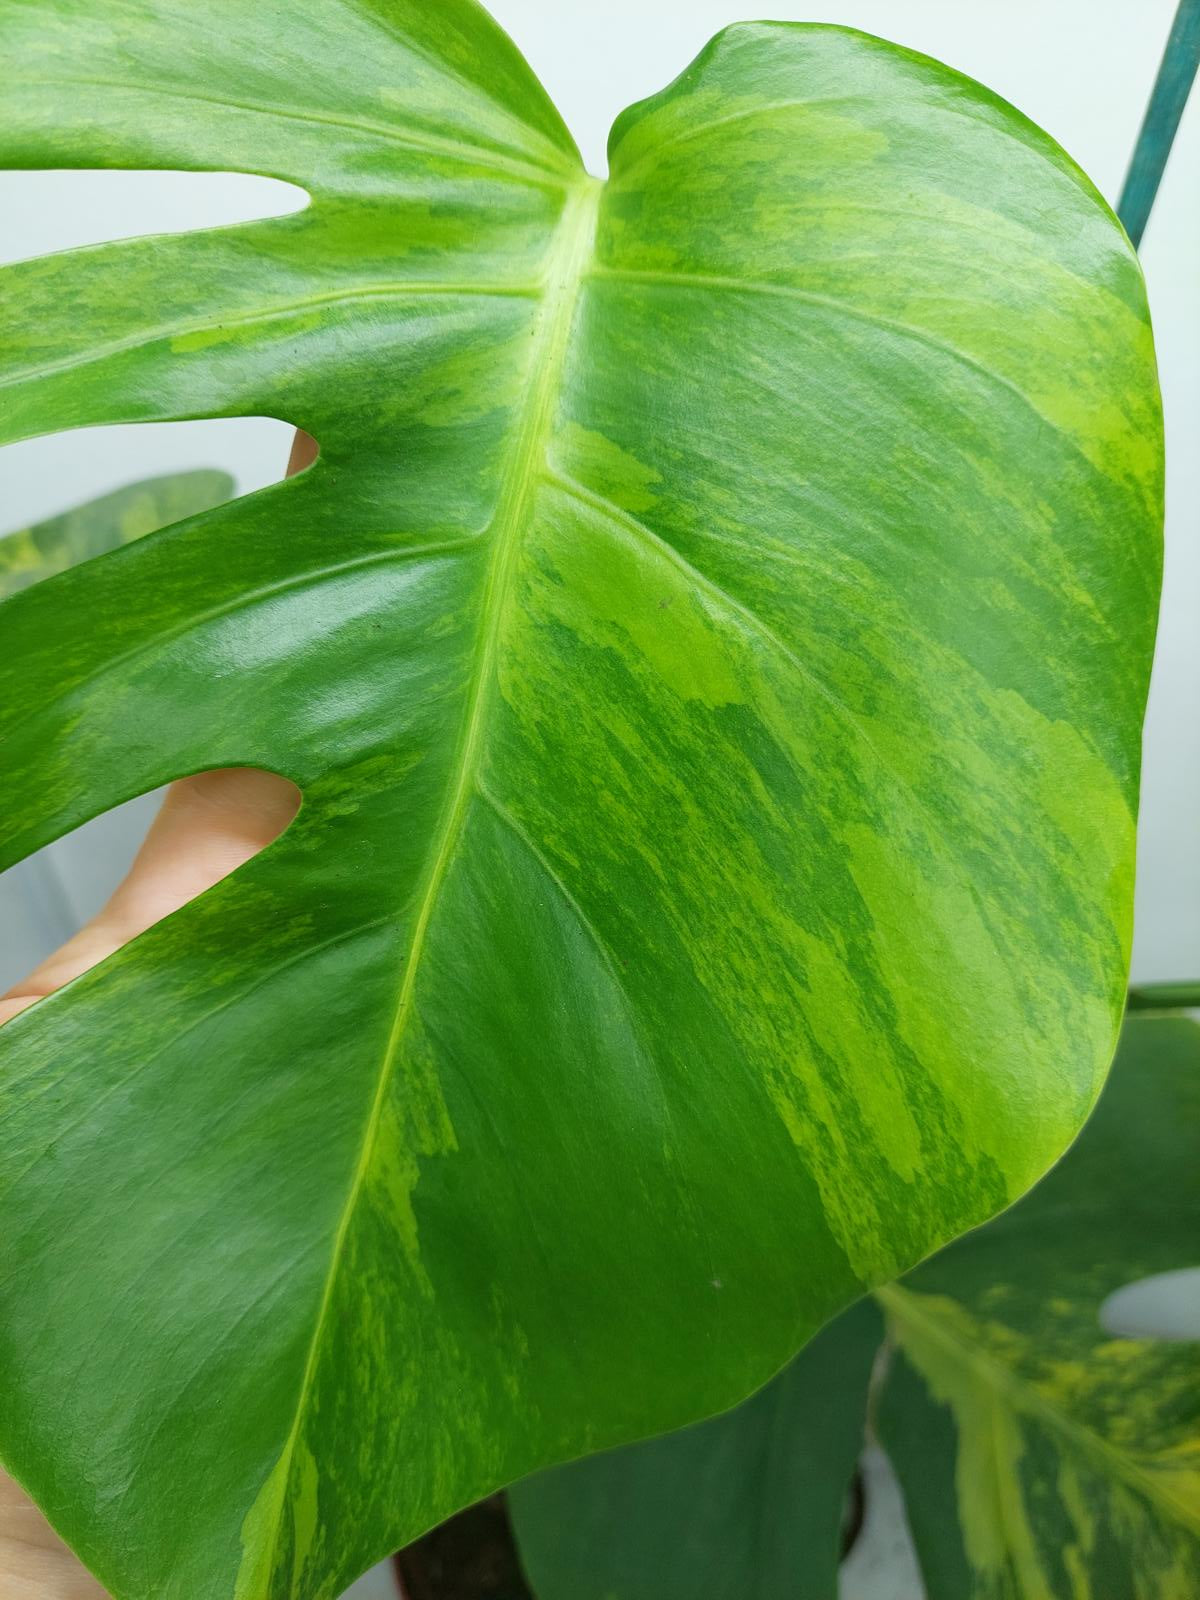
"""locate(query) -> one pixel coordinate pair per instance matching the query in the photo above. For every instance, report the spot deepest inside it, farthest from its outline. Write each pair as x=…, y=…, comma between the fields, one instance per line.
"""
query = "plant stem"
x=1164, y=996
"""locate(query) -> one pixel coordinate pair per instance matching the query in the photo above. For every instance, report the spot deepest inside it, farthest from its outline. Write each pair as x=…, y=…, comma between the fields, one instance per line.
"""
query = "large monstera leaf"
x=712, y=646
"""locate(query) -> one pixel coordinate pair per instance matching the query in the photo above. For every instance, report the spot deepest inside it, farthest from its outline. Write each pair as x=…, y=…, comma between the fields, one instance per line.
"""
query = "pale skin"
x=208, y=826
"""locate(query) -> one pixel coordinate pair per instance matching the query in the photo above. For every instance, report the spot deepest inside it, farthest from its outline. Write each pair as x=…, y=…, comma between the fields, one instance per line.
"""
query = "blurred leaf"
x=101, y=525
x=750, y=1503
x=1040, y=1458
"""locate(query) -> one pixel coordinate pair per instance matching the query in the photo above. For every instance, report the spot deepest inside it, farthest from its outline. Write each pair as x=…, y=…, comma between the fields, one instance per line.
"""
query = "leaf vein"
x=530, y=173
x=264, y=314
x=842, y=308
x=227, y=608
x=723, y=599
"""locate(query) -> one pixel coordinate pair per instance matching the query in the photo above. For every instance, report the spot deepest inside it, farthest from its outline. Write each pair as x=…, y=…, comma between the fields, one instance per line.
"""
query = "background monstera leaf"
x=751, y=1503
x=1071, y=1458
x=1039, y=1456
x=31, y=554
x=712, y=646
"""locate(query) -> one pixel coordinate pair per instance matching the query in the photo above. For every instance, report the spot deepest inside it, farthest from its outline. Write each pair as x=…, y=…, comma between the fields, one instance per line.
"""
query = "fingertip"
x=12, y=1005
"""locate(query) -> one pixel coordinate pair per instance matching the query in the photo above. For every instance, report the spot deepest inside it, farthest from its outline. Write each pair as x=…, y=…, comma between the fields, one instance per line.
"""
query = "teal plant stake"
x=1161, y=122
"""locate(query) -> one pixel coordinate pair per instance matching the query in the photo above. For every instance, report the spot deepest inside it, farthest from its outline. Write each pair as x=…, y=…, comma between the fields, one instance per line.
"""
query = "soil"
x=471, y=1557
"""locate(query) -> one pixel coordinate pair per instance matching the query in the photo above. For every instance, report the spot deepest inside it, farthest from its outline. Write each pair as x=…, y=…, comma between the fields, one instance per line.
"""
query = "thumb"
x=208, y=826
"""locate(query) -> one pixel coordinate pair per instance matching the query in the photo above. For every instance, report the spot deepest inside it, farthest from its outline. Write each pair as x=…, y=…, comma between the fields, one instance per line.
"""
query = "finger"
x=207, y=827
x=305, y=451
x=33, y=1559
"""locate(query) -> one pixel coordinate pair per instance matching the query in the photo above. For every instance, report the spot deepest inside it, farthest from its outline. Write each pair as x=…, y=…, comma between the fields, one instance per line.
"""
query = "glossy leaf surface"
x=752, y=1502
x=1039, y=1456
x=31, y=554
x=712, y=646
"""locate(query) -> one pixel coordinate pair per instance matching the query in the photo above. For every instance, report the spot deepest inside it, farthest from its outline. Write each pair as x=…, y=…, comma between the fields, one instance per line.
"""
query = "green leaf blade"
x=267, y=91
x=937, y=699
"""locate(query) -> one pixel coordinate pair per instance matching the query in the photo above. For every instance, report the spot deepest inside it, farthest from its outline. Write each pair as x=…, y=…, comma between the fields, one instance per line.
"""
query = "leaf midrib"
x=567, y=260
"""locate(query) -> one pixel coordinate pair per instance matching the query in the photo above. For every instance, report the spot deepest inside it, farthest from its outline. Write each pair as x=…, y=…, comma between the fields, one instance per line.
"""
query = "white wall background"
x=1081, y=68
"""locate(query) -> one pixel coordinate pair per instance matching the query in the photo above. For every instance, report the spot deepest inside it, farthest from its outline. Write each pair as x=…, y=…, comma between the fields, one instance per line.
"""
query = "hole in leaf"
x=884, y=1543
x=305, y=451
x=59, y=473
x=1165, y=1305
x=62, y=210
x=98, y=526
x=50, y=895
x=208, y=826
x=380, y=1583
x=853, y=1513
